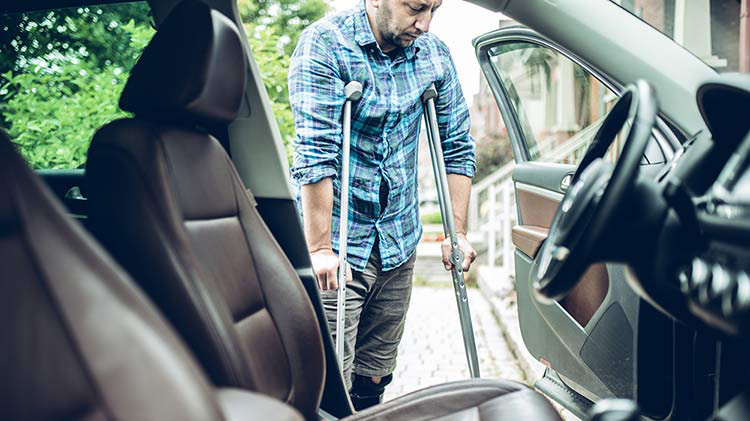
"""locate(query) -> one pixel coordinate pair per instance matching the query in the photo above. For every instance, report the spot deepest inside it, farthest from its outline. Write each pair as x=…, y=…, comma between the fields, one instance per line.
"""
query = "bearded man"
x=384, y=45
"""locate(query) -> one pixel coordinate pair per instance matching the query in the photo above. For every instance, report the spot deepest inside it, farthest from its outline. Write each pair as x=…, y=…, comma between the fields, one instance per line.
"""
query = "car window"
x=558, y=103
x=711, y=30
x=61, y=74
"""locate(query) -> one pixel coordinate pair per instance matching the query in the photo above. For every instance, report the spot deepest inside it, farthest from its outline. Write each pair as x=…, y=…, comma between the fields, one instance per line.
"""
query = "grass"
x=431, y=218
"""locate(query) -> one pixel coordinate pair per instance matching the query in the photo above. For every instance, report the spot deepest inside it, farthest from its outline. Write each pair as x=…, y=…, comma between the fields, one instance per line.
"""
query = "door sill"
x=551, y=385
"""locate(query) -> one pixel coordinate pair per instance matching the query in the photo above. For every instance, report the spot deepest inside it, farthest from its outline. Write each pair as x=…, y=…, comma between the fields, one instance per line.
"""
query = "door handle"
x=566, y=180
x=74, y=193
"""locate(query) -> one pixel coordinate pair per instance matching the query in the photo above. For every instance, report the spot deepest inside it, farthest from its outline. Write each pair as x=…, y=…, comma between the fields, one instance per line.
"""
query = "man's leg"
x=381, y=326
x=356, y=293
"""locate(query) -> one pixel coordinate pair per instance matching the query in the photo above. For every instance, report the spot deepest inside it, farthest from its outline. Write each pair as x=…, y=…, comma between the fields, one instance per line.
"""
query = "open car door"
x=593, y=341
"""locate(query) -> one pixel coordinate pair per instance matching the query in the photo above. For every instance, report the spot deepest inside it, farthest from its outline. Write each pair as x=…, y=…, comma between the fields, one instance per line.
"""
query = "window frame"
x=666, y=139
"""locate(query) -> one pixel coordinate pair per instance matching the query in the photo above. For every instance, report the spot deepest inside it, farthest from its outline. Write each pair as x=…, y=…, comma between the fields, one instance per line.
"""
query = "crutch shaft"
x=343, y=235
x=449, y=228
x=353, y=92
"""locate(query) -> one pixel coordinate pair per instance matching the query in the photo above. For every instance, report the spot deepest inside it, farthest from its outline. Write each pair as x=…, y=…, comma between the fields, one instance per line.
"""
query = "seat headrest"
x=193, y=70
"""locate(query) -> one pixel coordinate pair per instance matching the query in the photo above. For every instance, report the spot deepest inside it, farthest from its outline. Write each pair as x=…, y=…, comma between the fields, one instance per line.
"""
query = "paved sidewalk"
x=431, y=351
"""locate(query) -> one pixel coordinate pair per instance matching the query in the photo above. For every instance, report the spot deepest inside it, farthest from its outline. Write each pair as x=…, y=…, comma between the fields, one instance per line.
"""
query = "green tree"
x=94, y=33
x=273, y=27
x=63, y=75
x=62, y=71
x=285, y=18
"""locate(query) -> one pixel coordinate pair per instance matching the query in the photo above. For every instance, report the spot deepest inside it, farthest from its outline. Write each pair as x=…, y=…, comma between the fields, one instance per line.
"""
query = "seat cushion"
x=238, y=405
x=476, y=399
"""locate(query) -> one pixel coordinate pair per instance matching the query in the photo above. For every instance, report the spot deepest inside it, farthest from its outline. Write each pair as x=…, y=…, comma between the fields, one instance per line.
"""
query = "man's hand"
x=469, y=254
x=325, y=264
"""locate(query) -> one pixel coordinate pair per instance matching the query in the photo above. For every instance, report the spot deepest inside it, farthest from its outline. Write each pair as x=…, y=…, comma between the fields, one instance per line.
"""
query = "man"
x=384, y=45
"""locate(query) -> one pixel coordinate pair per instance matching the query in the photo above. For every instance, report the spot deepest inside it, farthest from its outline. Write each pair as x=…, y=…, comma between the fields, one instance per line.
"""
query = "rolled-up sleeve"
x=316, y=96
x=453, y=121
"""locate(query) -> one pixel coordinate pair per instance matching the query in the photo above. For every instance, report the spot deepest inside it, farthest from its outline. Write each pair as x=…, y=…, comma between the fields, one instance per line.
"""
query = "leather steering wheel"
x=598, y=188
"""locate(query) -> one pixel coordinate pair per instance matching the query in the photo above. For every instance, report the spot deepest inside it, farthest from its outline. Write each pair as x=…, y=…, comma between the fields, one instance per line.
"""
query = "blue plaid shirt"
x=385, y=128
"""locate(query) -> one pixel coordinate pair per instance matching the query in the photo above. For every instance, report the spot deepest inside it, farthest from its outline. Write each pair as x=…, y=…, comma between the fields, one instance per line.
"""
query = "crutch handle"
x=429, y=93
x=353, y=91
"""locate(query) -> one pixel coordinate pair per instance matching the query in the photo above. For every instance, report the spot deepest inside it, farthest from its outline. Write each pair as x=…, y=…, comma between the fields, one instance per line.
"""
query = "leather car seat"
x=80, y=340
x=167, y=201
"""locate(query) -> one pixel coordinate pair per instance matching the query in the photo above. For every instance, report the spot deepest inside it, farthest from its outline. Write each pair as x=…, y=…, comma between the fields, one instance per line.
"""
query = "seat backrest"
x=79, y=340
x=167, y=202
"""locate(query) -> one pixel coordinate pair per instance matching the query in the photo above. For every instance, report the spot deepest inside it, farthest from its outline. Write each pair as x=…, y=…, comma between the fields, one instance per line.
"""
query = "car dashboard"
x=717, y=280
x=707, y=265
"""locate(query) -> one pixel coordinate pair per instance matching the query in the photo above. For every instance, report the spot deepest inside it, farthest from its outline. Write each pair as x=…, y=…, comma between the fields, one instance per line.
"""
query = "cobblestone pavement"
x=431, y=351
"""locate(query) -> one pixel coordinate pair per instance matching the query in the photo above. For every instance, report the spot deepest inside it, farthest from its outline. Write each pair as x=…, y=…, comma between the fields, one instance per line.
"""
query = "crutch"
x=449, y=227
x=353, y=92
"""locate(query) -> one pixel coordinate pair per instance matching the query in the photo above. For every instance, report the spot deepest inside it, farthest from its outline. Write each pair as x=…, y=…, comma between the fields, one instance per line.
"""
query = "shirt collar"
x=364, y=36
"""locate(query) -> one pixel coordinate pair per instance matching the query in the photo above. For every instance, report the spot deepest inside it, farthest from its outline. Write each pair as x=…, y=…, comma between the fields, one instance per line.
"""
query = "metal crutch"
x=353, y=92
x=449, y=228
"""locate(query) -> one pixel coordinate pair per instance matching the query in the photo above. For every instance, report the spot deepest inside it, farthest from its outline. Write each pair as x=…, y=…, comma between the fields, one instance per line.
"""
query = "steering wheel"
x=598, y=188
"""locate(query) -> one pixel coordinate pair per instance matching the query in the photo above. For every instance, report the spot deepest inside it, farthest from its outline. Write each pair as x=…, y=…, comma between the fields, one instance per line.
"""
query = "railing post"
x=492, y=231
x=472, y=223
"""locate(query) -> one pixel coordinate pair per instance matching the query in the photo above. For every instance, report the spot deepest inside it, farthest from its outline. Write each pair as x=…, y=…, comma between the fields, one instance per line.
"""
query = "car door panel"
x=539, y=190
x=588, y=337
x=536, y=208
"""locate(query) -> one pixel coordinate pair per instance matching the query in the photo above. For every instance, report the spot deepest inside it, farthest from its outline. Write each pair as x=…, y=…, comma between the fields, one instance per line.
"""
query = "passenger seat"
x=167, y=201
x=80, y=340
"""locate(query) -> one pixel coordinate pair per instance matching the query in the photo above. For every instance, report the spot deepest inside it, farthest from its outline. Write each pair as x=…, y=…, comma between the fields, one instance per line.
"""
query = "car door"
x=552, y=105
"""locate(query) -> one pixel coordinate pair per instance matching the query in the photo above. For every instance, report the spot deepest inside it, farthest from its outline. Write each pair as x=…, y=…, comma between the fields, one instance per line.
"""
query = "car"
x=630, y=251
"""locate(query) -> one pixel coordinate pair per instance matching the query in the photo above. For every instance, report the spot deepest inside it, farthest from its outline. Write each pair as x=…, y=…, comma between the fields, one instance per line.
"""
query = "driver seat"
x=167, y=201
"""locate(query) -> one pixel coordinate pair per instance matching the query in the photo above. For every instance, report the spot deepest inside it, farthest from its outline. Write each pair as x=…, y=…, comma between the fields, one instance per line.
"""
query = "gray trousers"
x=376, y=305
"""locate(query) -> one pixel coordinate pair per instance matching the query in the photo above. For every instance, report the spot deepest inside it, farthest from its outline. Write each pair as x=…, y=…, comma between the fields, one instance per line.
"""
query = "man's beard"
x=383, y=19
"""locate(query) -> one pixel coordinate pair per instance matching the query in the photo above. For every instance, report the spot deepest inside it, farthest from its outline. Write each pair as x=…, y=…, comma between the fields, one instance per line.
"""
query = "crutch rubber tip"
x=353, y=91
x=429, y=93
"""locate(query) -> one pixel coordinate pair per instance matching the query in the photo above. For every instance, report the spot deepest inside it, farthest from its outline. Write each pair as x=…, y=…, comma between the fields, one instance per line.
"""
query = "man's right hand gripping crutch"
x=353, y=92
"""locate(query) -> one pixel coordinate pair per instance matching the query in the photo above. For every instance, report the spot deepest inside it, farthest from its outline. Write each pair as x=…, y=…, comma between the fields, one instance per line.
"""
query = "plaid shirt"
x=385, y=128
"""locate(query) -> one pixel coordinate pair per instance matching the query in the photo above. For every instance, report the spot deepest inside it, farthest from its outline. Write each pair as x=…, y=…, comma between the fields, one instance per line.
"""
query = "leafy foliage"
x=274, y=64
x=53, y=115
x=62, y=71
x=55, y=98
x=285, y=18
x=273, y=28
x=95, y=34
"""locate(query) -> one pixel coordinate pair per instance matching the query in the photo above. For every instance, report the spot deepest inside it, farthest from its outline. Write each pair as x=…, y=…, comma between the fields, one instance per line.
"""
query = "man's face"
x=400, y=22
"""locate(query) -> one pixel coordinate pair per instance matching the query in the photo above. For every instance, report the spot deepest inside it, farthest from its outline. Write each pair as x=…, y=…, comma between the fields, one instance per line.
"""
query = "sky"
x=456, y=22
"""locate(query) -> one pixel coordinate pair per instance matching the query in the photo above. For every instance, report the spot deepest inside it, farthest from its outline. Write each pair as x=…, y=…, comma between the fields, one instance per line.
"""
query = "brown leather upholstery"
x=167, y=201
x=536, y=209
x=79, y=340
x=529, y=238
x=588, y=295
x=169, y=205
